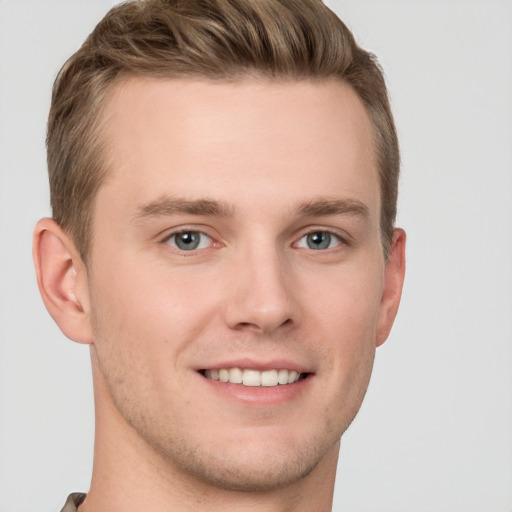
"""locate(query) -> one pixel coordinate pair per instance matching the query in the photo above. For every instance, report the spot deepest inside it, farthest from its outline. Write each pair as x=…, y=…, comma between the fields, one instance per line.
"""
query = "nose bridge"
x=261, y=295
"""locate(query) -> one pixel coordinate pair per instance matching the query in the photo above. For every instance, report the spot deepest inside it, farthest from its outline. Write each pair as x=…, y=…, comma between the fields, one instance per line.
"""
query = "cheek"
x=350, y=302
x=147, y=314
x=138, y=342
x=348, y=317
x=144, y=294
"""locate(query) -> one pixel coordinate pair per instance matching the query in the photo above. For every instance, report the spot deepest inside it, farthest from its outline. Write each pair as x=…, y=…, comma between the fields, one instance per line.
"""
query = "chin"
x=246, y=473
x=255, y=466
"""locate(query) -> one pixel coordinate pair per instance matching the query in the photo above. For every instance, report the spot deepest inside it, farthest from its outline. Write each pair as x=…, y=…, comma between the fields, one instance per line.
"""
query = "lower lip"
x=259, y=396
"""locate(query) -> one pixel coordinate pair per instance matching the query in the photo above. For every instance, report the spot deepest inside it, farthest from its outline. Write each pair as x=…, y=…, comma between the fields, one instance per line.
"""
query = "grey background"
x=435, y=431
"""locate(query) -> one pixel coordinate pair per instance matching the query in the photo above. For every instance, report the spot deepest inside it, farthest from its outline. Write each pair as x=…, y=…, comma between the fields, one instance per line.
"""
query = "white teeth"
x=253, y=378
x=269, y=378
x=293, y=376
x=235, y=376
x=282, y=377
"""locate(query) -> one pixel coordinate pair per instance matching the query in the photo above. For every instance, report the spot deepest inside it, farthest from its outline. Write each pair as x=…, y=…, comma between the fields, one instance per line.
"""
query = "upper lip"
x=260, y=365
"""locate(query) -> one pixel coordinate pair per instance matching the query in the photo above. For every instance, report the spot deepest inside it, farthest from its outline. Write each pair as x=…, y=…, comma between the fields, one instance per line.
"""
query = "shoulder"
x=73, y=501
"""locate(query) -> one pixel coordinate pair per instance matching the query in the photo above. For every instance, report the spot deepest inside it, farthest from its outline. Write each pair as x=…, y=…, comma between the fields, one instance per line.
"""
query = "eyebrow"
x=332, y=207
x=167, y=206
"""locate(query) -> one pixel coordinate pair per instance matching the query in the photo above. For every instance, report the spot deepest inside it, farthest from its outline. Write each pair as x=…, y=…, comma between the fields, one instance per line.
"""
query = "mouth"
x=255, y=378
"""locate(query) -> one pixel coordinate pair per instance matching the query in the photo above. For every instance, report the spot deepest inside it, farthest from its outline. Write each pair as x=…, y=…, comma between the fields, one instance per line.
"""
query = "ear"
x=62, y=280
x=394, y=274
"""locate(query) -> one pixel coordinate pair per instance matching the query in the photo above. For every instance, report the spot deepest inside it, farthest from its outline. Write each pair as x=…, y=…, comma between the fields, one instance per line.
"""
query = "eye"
x=189, y=240
x=319, y=240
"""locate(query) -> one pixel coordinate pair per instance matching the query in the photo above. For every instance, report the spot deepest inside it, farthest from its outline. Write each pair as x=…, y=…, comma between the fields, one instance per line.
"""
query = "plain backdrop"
x=435, y=431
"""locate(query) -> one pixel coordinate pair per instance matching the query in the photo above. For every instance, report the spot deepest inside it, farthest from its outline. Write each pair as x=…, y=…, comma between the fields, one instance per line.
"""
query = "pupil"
x=188, y=240
x=319, y=240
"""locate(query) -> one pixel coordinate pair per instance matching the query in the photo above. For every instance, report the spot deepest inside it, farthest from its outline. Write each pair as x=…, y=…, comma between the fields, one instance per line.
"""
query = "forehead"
x=252, y=140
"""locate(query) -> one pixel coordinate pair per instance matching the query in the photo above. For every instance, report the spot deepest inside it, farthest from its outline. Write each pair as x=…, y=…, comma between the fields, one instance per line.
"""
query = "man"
x=223, y=182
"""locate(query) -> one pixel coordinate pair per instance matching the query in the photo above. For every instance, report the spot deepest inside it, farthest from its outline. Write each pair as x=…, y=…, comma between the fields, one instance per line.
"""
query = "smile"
x=255, y=378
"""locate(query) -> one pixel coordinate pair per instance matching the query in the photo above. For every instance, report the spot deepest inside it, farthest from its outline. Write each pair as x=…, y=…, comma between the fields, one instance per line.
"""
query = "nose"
x=261, y=292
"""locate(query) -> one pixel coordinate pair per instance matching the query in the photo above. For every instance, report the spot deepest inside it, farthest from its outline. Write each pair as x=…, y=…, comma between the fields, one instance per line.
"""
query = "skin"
x=255, y=166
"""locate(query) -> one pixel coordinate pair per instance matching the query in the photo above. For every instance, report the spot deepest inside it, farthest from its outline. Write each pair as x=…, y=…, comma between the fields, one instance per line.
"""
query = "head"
x=224, y=175
x=220, y=41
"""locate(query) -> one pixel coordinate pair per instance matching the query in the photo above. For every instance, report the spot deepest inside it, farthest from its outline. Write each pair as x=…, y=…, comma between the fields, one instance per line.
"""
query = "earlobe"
x=393, y=283
x=62, y=280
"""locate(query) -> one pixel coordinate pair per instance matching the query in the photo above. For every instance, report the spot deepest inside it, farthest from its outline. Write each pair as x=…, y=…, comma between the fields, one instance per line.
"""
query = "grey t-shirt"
x=73, y=501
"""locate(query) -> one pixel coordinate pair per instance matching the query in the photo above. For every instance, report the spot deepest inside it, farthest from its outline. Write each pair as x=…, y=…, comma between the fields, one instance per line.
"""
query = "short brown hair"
x=215, y=39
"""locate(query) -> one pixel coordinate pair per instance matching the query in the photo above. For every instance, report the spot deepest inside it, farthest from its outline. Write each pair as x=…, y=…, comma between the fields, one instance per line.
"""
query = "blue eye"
x=319, y=240
x=189, y=240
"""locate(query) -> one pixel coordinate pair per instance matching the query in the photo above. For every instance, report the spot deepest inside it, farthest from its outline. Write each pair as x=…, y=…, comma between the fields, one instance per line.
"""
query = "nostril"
x=265, y=326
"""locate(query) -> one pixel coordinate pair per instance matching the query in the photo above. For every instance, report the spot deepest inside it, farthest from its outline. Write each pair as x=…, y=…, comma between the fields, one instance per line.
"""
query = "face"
x=236, y=275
